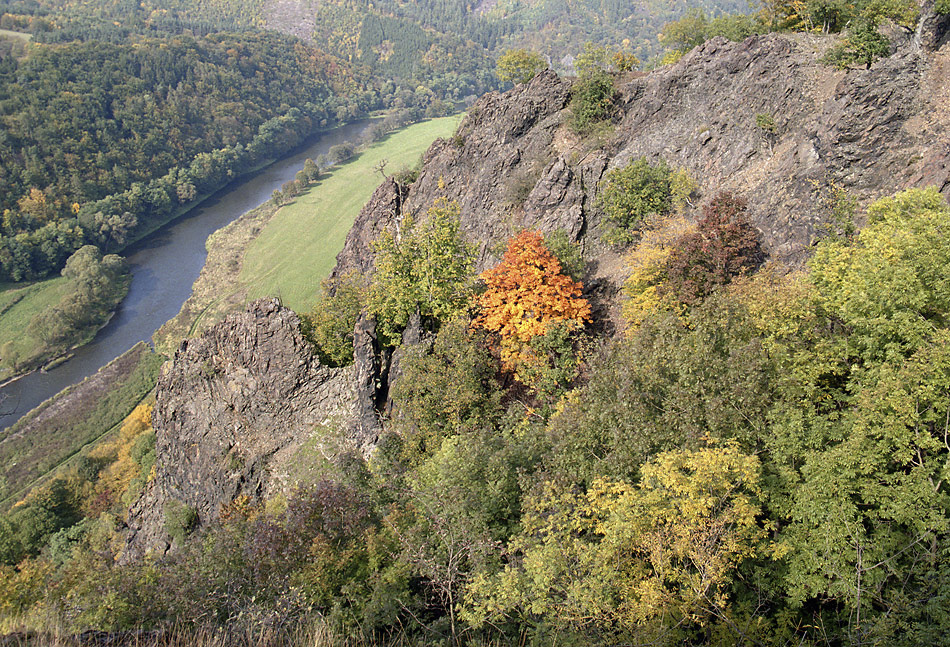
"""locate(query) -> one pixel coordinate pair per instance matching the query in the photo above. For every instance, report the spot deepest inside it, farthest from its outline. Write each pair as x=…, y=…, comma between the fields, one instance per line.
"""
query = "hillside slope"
x=514, y=163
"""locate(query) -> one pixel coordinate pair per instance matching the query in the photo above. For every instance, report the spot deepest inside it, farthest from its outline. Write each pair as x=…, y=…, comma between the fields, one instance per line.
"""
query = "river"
x=164, y=266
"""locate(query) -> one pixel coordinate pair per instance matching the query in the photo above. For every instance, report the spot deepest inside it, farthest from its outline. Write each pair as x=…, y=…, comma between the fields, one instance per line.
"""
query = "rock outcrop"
x=232, y=410
x=514, y=163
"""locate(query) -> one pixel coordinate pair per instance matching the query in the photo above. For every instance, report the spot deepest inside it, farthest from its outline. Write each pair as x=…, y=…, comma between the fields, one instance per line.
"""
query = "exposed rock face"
x=514, y=163
x=231, y=408
x=375, y=216
x=871, y=132
x=859, y=129
x=933, y=30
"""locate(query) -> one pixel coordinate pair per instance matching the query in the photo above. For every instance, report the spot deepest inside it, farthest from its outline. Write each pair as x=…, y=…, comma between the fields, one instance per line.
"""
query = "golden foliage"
x=647, y=261
x=527, y=294
x=115, y=478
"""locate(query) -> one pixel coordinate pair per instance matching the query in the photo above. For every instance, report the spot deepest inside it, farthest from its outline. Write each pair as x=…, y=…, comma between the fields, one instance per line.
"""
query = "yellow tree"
x=527, y=295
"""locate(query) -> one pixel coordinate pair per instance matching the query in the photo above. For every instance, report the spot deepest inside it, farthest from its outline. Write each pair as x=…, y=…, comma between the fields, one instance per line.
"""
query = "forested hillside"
x=661, y=365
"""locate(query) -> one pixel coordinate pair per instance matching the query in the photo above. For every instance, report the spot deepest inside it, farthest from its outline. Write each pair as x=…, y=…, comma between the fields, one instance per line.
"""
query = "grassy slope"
x=15, y=34
x=18, y=305
x=56, y=430
x=298, y=247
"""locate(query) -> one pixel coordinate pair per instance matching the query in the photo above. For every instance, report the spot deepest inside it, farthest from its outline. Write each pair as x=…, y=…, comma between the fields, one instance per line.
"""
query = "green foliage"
x=592, y=60
x=634, y=561
x=558, y=355
x=96, y=285
x=180, y=519
x=592, y=98
x=331, y=323
x=665, y=387
x=100, y=172
x=766, y=123
x=695, y=28
x=628, y=195
x=942, y=7
x=890, y=287
x=519, y=65
x=568, y=253
x=841, y=208
x=444, y=390
x=864, y=45
x=687, y=32
x=424, y=269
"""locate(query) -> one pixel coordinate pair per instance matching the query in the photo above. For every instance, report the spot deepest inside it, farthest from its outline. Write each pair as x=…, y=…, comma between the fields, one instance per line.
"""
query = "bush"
x=180, y=520
x=445, y=390
x=629, y=194
x=592, y=99
x=519, y=65
x=424, y=270
x=341, y=152
x=864, y=45
x=724, y=246
x=331, y=322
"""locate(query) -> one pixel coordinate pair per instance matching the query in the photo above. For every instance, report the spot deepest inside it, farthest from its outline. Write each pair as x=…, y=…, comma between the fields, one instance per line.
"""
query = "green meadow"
x=18, y=305
x=298, y=247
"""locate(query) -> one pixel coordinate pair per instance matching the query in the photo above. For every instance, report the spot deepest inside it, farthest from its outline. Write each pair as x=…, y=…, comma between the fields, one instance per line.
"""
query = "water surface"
x=164, y=265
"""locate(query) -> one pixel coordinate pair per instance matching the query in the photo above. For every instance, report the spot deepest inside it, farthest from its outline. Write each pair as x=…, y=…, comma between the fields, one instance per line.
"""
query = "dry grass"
x=316, y=634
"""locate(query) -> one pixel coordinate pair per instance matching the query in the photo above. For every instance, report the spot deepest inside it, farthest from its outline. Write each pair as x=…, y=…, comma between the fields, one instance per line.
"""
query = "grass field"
x=298, y=247
x=15, y=34
x=18, y=304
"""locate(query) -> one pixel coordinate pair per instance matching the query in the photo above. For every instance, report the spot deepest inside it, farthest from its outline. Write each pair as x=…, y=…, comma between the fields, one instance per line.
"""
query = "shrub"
x=330, y=324
x=445, y=390
x=592, y=99
x=629, y=194
x=724, y=246
x=180, y=520
x=864, y=45
x=526, y=294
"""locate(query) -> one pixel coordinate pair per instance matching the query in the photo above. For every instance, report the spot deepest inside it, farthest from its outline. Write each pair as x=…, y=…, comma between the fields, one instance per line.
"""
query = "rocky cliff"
x=238, y=403
x=234, y=410
x=514, y=163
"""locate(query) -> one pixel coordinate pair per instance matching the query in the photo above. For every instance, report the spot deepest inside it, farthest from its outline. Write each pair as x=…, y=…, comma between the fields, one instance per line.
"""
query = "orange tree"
x=527, y=296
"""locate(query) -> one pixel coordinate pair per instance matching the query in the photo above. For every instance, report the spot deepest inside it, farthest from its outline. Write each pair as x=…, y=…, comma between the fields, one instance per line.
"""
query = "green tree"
x=687, y=32
x=655, y=559
x=864, y=45
x=627, y=195
x=424, y=268
x=330, y=325
x=519, y=65
x=444, y=390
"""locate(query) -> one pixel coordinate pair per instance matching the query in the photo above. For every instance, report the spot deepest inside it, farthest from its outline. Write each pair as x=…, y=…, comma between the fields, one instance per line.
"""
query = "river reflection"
x=164, y=266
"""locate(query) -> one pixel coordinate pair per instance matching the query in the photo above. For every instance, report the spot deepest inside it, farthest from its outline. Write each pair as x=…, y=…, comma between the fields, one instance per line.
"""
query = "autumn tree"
x=519, y=65
x=725, y=245
x=526, y=295
x=654, y=559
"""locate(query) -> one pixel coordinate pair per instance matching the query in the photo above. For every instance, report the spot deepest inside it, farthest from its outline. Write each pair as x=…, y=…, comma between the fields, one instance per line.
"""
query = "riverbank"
x=52, y=433
x=22, y=355
x=287, y=251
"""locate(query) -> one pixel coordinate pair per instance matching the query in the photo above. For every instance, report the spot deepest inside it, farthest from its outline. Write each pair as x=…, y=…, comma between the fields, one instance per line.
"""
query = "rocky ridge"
x=240, y=401
x=233, y=409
